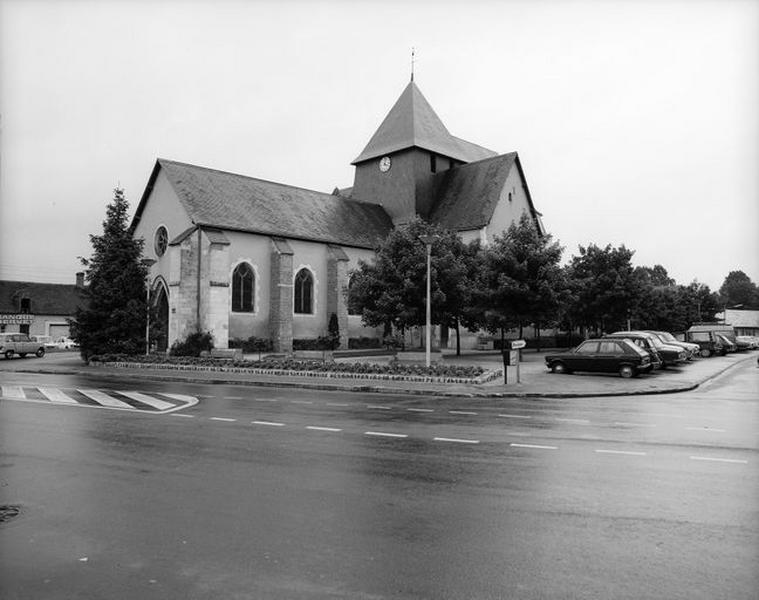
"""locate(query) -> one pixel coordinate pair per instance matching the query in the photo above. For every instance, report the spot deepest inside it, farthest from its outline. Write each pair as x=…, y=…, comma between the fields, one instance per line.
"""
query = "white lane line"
x=205, y=396
x=715, y=459
x=461, y=412
x=422, y=410
x=56, y=395
x=301, y=401
x=539, y=447
x=181, y=397
x=705, y=429
x=225, y=419
x=515, y=416
x=270, y=423
x=105, y=399
x=317, y=428
x=455, y=440
x=634, y=424
x=13, y=391
x=578, y=421
x=183, y=415
x=336, y=404
x=149, y=400
x=378, y=407
x=265, y=399
x=385, y=434
x=233, y=397
x=626, y=452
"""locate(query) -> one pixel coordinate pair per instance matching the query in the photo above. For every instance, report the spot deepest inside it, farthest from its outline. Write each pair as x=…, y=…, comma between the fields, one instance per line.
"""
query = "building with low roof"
x=244, y=257
x=744, y=321
x=38, y=308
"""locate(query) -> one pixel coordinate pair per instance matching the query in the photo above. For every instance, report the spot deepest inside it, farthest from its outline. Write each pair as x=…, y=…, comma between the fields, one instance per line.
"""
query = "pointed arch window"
x=352, y=309
x=304, y=292
x=243, y=286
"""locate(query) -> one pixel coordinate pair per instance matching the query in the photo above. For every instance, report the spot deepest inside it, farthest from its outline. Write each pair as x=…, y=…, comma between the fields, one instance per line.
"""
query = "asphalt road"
x=265, y=493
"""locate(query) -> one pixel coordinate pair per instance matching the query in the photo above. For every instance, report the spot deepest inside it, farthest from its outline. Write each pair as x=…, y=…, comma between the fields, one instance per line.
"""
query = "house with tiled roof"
x=240, y=256
x=39, y=308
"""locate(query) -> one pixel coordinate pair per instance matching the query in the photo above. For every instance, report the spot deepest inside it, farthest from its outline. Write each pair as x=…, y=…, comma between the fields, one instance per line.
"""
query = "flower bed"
x=280, y=366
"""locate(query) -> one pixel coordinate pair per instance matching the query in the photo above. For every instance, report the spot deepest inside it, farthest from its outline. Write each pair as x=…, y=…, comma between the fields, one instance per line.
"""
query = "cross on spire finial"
x=412, y=63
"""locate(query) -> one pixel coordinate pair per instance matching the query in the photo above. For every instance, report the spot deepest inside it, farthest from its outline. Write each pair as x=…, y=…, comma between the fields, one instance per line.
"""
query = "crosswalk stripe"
x=13, y=391
x=56, y=395
x=105, y=399
x=149, y=400
x=181, y=397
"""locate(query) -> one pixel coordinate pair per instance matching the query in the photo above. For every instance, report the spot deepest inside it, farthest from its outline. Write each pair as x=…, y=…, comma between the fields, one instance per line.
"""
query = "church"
x=239, y=256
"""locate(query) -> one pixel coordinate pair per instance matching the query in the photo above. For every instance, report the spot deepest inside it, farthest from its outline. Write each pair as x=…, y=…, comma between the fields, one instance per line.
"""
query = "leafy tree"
x=654, y=276
x=520, y=280
x=112, y=319
x=605, y=287
x=392, y=291
x=739, y=289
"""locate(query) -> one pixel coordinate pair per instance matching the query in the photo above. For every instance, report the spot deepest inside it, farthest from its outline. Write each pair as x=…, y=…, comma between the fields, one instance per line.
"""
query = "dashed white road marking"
x=576, y=421
x=516, y=416
x=336, y=404
x=318, y=428
x=105, y=399
x=455, y=440
x=225, y=419
x=378, y=407
x=626, y=452
x=233, y=397
x=705, y=429
x=56, y=395
x=269, y=423
x=716, y=459
x=301, y=401
x=539, y=447
x=265, y=399
x=461, y=412
x=421, y=410
x=183, y=415
x=385, y=434
x=149, y=400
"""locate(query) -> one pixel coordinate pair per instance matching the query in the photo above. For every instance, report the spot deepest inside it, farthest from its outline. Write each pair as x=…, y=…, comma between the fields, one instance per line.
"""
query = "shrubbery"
x=392, y=368
x=362, y=343
x=193, y=344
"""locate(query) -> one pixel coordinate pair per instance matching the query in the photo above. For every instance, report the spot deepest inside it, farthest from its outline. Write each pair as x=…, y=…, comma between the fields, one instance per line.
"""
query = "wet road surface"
x=265, y=493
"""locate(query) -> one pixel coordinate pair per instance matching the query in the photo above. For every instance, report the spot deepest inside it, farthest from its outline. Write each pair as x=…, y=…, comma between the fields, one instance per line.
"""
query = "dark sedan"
x=670, y=355
x=644, y=341
x=602, y=356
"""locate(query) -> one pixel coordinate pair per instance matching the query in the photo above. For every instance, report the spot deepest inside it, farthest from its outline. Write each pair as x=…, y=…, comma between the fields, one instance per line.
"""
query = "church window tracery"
x=243, y=284
x=304, y=288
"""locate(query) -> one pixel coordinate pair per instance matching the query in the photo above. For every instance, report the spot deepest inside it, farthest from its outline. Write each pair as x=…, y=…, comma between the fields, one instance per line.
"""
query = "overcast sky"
x=636, y=122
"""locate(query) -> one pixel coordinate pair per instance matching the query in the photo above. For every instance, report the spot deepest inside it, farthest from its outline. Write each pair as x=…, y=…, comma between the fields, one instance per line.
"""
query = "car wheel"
x=705, y=352
x=626, y=371
x=40, y=353
x=9, y=355
x=559, y=367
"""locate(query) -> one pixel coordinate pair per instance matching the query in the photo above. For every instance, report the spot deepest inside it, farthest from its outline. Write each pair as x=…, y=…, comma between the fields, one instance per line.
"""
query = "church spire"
x=412, y=63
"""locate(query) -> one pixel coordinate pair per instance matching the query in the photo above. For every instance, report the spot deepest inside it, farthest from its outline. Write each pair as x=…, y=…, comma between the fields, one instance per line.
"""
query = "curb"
x=325, y=386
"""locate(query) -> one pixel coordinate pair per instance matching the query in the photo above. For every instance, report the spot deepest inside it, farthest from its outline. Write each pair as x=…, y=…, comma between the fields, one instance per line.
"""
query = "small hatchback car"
x=602, y=356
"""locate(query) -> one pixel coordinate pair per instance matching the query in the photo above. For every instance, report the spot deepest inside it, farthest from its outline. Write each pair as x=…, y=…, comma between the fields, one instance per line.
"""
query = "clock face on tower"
x=384, y=164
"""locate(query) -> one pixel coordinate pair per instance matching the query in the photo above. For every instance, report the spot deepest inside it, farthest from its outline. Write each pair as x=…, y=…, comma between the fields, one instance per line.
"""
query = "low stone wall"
x=484, y=378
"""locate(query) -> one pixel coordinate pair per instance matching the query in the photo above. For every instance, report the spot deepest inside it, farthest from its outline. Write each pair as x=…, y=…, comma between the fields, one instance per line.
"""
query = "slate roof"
x=466, y=196
x=413, y=123
x=46, y=298
x=232, y=202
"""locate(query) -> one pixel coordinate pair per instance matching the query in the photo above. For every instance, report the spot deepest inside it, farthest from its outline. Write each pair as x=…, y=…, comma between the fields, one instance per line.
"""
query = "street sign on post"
x=516, y=344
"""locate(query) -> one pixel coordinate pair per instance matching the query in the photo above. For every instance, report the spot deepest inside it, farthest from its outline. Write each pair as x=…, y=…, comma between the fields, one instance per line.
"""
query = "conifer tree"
x=112, y=318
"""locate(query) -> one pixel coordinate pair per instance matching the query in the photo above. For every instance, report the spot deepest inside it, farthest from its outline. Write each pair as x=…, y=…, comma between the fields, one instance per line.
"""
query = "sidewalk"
x=535, y=379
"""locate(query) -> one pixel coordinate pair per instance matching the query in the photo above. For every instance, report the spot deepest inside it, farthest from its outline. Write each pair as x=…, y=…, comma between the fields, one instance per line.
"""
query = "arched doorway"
x=160, y=333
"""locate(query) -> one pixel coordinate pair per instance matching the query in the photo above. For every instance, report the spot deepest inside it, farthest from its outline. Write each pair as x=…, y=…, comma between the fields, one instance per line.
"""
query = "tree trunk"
x=537, y=336
x=458, y=338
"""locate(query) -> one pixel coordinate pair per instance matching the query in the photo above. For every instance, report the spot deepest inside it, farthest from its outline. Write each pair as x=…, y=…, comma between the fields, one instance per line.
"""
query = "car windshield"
x=665, y=335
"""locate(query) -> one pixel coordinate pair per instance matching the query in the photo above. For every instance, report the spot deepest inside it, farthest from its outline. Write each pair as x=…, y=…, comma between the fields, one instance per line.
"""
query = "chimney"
x=80, y=279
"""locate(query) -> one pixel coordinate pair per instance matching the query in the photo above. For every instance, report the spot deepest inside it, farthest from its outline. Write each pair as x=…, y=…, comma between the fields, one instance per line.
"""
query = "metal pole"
x=147, y=316
x=429, y=308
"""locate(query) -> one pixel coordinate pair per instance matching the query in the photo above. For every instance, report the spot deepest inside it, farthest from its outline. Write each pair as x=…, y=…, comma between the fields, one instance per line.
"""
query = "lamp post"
x=428, y=240
x=147, y=262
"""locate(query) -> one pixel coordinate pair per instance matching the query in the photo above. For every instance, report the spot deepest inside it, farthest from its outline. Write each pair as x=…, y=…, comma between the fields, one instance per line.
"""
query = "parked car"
x=644, y=341
x=602, y=356
x=708, y=338
x=21, y=344
x=65, y=343
x=750, y=340
x=667, y=338
x=727, y=344
x=670, y=355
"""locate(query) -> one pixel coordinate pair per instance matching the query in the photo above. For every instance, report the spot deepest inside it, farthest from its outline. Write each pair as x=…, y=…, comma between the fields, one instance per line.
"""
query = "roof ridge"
x=286, y=185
